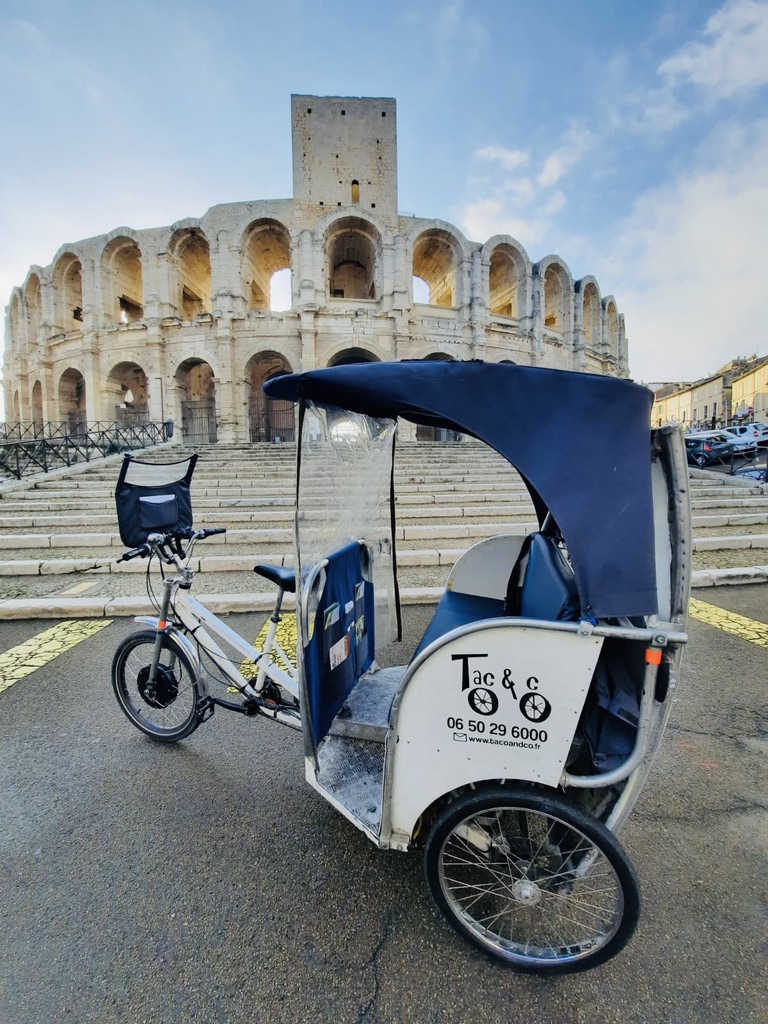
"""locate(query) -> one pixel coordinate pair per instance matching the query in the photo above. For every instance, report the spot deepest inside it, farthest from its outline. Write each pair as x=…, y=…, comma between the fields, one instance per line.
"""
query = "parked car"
x=742, y=445
x=704, y=450
x=757, y=432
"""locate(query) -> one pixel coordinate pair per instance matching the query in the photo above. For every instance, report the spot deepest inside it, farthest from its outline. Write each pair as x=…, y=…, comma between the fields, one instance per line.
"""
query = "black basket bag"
x=153, y=497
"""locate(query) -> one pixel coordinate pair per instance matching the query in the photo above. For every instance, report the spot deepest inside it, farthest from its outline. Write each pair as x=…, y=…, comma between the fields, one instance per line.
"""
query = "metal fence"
x=27, y=448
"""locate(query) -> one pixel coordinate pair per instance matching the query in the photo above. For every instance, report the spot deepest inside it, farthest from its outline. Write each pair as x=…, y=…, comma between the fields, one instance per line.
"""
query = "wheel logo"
x=484, y=702
x=535, y=707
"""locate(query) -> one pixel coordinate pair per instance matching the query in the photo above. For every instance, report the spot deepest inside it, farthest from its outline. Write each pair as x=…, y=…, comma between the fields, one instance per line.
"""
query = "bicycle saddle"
x=277, y=574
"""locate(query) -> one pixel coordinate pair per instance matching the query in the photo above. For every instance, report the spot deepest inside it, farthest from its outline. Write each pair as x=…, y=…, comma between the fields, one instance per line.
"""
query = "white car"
x=756, y=432
x=744, y=445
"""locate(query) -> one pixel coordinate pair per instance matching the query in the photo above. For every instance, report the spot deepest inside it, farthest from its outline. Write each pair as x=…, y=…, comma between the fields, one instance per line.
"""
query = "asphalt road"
x=208, y=883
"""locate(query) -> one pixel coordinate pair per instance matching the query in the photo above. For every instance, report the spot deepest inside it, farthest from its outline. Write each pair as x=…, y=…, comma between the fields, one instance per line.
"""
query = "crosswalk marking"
x=730, y=622
x=22, y=660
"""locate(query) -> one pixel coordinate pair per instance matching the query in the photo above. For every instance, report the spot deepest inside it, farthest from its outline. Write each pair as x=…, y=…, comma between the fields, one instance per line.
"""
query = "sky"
x=630, y=137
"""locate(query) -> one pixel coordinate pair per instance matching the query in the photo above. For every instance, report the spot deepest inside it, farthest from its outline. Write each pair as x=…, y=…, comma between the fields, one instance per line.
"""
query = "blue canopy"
x=580, y=441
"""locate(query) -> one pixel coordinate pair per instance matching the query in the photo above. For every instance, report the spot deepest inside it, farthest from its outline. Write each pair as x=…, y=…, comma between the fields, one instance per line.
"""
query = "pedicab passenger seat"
x=547, y=591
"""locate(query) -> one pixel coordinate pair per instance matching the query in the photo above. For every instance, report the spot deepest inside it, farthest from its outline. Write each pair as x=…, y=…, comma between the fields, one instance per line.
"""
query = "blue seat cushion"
x=454, y=610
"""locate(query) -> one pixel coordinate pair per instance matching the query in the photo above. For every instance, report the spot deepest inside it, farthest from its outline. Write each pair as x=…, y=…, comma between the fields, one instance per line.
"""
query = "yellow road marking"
x=22, y=660
x=286, y=636
x=739, y=625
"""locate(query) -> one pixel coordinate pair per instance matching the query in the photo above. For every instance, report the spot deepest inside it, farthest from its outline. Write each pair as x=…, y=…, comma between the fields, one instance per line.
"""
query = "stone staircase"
x=59, y=539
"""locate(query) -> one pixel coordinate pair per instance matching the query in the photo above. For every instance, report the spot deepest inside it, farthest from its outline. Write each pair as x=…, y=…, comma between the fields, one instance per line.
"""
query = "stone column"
x=400, y=298
x=226, y=398
x=579, y=356
x=537, y=317
x=308, y=336
x=477, y=305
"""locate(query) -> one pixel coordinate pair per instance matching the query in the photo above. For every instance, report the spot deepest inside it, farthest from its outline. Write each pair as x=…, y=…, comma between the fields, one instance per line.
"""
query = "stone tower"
x=345, y=154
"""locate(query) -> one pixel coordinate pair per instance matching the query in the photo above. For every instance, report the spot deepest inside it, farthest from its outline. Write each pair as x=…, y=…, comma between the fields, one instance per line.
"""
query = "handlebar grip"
x=140, y=552
x=209, y=532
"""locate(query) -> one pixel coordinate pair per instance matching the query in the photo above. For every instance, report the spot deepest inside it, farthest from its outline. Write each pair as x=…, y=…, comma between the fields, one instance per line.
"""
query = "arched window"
x=611, y=328
x=352, y=250
x=33, y=302
x=267, y=261
x=591, y=316
x=122, y=266
x=355, y=193
x=506, y=282
x=68, y=291
x=553, y=299
x=191, y=256
x=14, y=322
x=435, y=262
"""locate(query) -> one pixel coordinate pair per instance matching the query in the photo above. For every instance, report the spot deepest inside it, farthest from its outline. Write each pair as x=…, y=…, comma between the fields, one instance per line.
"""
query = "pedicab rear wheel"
x=532, y=880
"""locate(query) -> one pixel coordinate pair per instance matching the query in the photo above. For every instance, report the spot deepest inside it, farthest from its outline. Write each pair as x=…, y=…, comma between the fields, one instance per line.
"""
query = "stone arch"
x=266, y=251
x=15, y=320
x=123, y=281
x=353, y=355
x=611, y=326
x=33, y=302
x=353, y=259
x=437, y=255
x=556, y=296
x=190, y=257
x=591, y=311
x=38, y=413
x=195, y=387
x=127, y=394
x=68, y=292
x=71, y=396
x=270, y=419
x=509, y=274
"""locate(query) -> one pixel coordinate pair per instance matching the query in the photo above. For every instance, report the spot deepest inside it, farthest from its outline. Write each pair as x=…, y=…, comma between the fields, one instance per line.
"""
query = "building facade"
x=738, y=391
x=179, y=322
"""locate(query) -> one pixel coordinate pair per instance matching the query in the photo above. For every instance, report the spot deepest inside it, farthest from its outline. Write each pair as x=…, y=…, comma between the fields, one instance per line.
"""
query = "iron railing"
x=27, y=448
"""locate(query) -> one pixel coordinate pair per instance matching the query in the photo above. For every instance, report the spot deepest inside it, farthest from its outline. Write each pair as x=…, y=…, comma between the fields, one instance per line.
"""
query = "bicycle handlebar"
x=157, y=541
x=140, y=552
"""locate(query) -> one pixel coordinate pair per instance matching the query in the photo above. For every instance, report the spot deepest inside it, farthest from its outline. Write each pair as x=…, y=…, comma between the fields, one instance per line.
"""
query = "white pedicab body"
x=515, y=743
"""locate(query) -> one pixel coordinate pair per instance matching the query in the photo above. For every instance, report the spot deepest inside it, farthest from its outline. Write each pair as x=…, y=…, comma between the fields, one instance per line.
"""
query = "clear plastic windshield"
x=344, y=494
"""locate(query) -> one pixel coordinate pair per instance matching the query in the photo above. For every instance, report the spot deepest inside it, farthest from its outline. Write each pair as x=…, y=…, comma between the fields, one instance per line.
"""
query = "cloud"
x=510, y=159
x=689, y=267
x=577, y=141
x=522, y=205
x=460, y=38
x=732, y=59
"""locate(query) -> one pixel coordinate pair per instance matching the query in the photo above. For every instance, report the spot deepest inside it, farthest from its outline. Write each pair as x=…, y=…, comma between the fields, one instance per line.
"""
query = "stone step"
x=276, y=548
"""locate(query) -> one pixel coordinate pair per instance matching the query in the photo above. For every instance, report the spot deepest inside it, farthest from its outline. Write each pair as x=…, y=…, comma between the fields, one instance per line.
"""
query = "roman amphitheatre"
x=180, y=323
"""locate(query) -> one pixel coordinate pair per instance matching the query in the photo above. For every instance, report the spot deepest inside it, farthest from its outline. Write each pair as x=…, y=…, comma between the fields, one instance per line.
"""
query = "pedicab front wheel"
x=532, y=880
x=164, y=707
